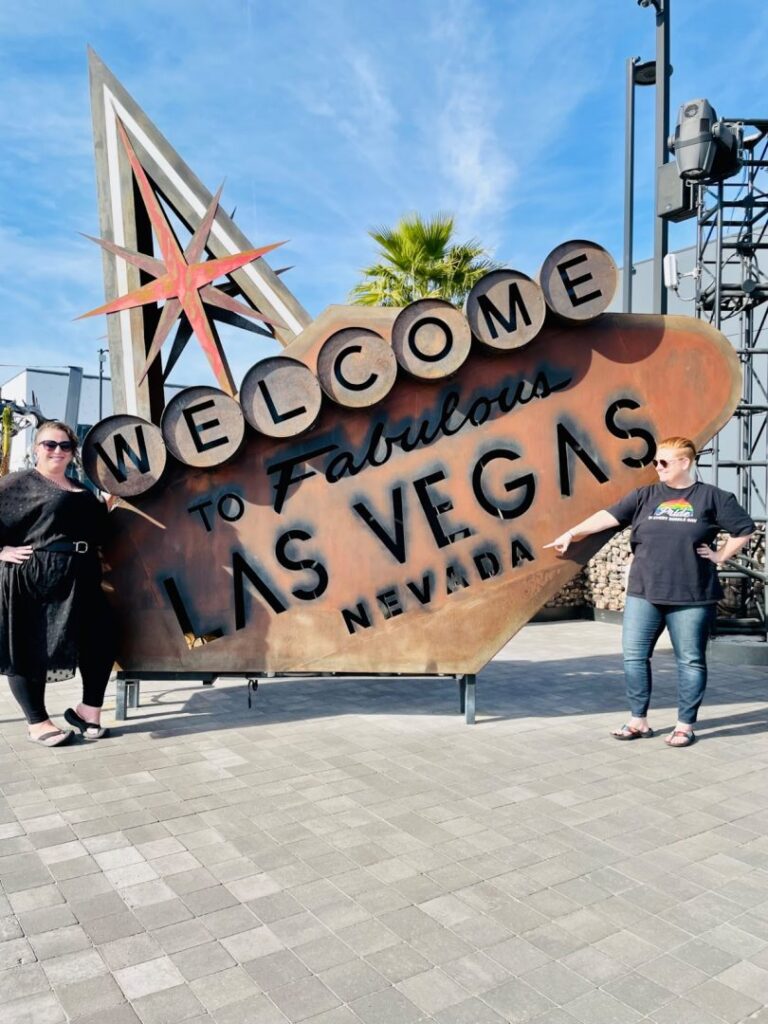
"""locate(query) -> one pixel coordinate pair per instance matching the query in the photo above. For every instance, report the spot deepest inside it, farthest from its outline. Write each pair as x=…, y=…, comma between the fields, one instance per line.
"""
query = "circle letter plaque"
x=202, y=426
x=281, y=397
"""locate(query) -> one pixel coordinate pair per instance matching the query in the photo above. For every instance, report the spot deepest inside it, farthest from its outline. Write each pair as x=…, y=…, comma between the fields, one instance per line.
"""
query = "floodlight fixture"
x=658, y=4
x=645, y=73
x=706, y=149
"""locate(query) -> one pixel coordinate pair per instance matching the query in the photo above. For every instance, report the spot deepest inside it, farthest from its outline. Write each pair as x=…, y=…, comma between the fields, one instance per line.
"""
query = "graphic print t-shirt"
x=668, y=524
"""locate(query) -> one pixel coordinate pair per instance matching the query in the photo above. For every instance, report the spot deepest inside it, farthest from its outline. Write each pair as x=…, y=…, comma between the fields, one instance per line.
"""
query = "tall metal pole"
x=661, y=228
x=102, y=355
x=629, y=186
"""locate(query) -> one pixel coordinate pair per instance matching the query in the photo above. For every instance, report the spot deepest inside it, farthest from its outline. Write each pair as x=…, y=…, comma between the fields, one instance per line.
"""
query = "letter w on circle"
x=139, y=459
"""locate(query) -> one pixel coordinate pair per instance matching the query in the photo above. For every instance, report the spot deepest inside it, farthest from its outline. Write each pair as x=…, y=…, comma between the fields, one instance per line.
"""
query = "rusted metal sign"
x=377, y=499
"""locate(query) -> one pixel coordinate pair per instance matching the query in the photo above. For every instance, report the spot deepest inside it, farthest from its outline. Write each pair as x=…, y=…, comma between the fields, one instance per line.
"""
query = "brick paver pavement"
x=350, y=851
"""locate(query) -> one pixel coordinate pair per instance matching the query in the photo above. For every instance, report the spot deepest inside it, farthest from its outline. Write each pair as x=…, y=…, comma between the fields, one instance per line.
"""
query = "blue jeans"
x=689, y=626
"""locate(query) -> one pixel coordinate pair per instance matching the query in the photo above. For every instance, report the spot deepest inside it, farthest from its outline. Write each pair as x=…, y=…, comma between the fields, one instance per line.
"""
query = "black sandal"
x=629, y=732
x=88, y=730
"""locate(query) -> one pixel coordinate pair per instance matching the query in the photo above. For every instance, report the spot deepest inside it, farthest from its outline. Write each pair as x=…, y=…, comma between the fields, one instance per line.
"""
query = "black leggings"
x=30, y=693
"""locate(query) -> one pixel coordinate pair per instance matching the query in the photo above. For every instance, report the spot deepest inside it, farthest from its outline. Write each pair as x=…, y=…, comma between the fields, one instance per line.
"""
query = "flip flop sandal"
x=689, y=738
x=629, y=732
x=55, y=738
x=88, y=730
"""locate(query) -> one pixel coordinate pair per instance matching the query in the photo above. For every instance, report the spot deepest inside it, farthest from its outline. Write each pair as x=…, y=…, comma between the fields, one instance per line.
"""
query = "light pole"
x=663, y=71
x=102, y=359
x=637, y=74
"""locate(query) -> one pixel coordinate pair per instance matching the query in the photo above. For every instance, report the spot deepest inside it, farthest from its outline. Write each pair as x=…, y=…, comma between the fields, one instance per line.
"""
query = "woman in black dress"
x=53, y=613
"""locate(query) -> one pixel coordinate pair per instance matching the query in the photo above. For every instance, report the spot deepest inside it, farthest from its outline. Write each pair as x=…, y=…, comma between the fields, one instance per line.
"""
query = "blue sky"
x=328, y=117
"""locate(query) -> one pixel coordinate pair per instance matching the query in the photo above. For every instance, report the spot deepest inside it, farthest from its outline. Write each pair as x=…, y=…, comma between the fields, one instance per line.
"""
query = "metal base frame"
x=128, y=685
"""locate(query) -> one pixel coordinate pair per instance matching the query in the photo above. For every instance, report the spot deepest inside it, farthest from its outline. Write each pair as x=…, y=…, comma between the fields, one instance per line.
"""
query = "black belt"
x=67, y=547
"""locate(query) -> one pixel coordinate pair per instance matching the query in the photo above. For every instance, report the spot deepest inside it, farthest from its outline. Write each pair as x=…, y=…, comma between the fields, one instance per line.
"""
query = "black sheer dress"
x=53, y=613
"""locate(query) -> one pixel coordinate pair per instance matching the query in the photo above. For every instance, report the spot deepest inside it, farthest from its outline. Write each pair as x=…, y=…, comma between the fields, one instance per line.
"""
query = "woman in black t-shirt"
x=53, y=614
x=672, y=579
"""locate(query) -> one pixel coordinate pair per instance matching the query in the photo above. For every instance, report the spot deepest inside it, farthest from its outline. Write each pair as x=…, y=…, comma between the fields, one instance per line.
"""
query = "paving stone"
x=200, y=961
x=84, y=888
x=43, y=1008
x=304, y=998
x=518, y=955
x=59, y=941
x=249, y=945
x=46, y=919
x=206, y=901
x=229, y=921
x=65, y=970
x=672, y=974
x=557, y=982
x=353, y=979
x=120, y=1014
x=681, y=1011
x=133, y=949
x=385, y=1007
x=257, y=1009
x=35, y=899
x=147, y=894
x=432, y=991
x=338, y=1015
x=276, y=969
x=747, y=978
x=10, y=928
x=147, y=977
x=440, y=945
x=103, y=905
x=325, y=952
x=367, y=937
x=723, y=1001
x=298, y=930
x=224, y=988
x=16, y=952
x=92, y=995
x=176, y=937
x=471, y=1011
x=168, y=1006
x=162, y=914
x=26, y=980
x=627, y=948
x=640, y=993
x=599, y=1007
x=705, y=957
x=517, y=1001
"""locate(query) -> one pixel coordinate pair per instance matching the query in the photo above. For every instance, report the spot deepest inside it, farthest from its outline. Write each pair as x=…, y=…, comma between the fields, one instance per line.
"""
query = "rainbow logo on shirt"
x=675, y=508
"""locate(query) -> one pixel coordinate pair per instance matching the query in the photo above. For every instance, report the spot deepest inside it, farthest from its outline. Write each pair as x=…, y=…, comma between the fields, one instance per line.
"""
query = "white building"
x=48, y=390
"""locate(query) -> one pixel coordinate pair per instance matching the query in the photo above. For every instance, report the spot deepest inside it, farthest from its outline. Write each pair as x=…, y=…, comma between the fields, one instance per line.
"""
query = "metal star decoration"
x=182, y=280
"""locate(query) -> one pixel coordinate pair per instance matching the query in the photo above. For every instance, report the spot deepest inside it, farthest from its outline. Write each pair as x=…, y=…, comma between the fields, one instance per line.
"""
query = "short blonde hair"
x=681, y=444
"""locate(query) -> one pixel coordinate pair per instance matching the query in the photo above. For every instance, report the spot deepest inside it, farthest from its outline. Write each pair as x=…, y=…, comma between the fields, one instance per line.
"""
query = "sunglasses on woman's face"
x=51, y=446
x=663, y=463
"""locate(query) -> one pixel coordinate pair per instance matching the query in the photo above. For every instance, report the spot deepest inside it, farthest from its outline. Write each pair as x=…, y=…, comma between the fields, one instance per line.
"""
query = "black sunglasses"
x=51, y=446
x=664, y=462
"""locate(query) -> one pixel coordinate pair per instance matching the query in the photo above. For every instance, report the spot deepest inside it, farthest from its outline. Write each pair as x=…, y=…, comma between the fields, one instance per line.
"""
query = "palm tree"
x=416, y=260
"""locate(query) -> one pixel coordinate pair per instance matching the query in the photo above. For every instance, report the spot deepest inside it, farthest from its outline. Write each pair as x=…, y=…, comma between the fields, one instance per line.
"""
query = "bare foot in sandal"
x=681, y=736
x=49, y=734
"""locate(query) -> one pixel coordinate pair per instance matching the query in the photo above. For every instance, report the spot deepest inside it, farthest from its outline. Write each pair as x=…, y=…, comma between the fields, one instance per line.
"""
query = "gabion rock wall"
x=601, y=583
